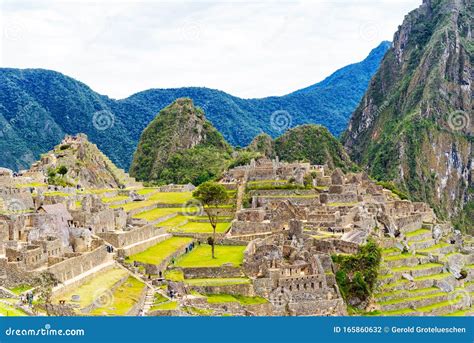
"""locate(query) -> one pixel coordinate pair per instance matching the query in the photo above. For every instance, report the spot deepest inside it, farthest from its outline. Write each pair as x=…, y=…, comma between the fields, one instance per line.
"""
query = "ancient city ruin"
x=277, y=238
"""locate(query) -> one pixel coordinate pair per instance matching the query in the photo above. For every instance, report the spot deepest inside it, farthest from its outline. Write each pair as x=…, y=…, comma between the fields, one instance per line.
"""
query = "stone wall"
x=75, y=266
x=120, y=239
x=212, y=272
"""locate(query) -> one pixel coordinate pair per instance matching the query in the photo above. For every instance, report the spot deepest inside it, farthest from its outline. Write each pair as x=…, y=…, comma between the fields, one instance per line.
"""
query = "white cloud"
x=249, y=49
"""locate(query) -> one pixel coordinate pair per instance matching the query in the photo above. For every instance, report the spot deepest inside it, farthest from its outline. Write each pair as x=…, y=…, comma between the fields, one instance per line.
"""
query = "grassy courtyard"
x=87, y=291
x=197, y=227
x=201, y=256
x=159, y=252
x=122, y=300
x=157, y=213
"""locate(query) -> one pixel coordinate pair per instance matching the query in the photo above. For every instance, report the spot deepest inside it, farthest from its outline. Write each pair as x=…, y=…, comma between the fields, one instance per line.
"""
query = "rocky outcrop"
x=415, y=122
x=83, y=165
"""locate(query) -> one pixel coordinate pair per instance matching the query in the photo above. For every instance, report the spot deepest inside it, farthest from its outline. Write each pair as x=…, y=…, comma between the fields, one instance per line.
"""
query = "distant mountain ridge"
x=39, y=107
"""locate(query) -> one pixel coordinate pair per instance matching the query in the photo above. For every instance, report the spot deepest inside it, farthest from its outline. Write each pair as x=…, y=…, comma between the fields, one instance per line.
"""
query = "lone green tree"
x=211, y=195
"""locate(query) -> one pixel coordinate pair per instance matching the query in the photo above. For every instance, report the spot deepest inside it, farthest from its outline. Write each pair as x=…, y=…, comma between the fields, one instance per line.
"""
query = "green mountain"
x=415, y=122
x=312, y=143
x=39, y=107
x=179, y=146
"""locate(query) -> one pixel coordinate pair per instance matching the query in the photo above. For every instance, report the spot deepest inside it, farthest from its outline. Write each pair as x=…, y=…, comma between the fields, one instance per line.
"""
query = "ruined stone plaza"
x=115, y=247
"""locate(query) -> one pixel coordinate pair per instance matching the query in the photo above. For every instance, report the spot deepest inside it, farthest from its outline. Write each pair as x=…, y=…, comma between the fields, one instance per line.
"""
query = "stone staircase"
x=409, y=283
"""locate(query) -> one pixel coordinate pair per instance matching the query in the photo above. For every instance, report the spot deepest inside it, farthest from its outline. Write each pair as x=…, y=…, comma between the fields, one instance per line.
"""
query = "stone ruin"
x=287, y=269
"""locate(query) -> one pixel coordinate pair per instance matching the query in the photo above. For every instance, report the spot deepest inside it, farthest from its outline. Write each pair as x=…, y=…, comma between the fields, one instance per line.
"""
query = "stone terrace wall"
x=120, y=239
x=75, y=266
x=212, y=272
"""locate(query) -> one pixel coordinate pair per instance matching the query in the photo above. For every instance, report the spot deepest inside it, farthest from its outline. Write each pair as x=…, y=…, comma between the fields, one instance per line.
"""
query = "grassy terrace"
x=124, y=298
x=201, y=256
x=87, y=291
x=157, y=213
x=416, y=233
x=217, y=282
x=401, y=257
x=145, y=191
x=166, y=306
x=10, y=311
x=414, y=298
x=20, y=289
x=177, y=198
x=336, y=204
x=435, y=247
x=410, y=292
x=418, y=267
x=195, y=227
x=229, y=298
x=159, y=252
x=114, y=199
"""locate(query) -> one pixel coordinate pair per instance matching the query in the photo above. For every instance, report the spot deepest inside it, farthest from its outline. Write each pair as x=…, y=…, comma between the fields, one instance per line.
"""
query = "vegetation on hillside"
x=39, y=106
x=357, y=274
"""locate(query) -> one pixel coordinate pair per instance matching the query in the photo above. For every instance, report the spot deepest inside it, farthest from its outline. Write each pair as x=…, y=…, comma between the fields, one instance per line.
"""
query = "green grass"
x=198, y=311
x=416, y=233
x=439, y=276
x=397, y=312
x=410, y=292
x=401, y=257
x=159, y=252
x=124, y=298
x=157, y=213
x=87, y=291
x=51, y=194
x=246, y=300
x=390, y=250
x=171, y=197
x=217, y=282
x=415, y=298
x=32, y=184
x=20, y=289
x=173, y=222
x=145, y=191
x=196, y=227
x=170, y=305
x=220, y=298
x=174, y=275
x=158, y=299
x=10, y=311
x=335, y=204
x=228, y=298
x=435, y=247
x=417, y=267
x=114, y=199
x=201, y=256
x=433, y=307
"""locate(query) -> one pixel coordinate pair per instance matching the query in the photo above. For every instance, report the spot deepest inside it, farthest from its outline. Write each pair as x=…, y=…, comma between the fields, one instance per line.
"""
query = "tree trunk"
x=213, y=239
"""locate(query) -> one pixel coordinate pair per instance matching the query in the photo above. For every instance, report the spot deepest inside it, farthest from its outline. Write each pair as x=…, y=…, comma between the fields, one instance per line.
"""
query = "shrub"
x=357, y=274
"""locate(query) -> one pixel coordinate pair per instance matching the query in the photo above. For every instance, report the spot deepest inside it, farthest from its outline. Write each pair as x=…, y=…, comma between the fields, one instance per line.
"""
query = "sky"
x=249, y=49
